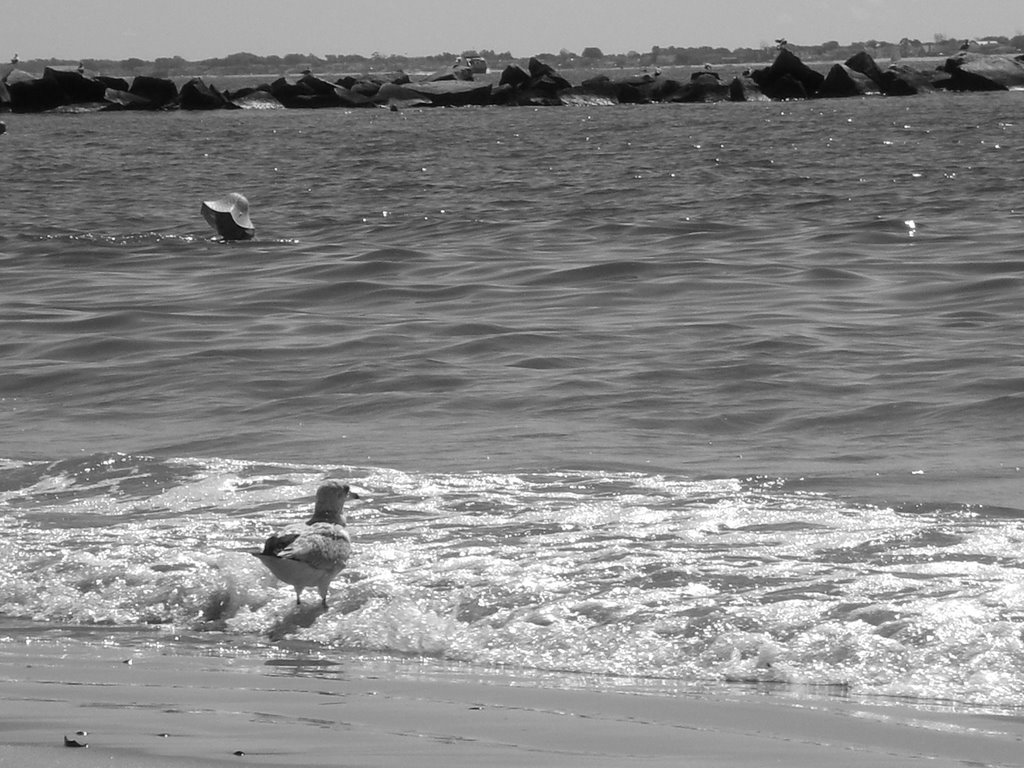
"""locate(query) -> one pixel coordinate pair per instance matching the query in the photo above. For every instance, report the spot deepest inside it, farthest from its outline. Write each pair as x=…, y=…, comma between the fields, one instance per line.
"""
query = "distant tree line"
x=244, y=63
x=828, y=51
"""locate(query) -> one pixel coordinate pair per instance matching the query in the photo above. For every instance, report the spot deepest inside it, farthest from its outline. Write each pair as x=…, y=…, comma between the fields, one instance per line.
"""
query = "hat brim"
x=229, y=215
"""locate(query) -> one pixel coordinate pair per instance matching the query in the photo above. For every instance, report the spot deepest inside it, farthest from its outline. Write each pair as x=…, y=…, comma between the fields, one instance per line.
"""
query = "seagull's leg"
x=322, y=588
x=298, y=595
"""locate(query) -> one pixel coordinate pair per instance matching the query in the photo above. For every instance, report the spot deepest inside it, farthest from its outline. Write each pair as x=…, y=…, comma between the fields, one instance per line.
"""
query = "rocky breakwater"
x=789, y=78
x=978, y=72
x=536, y=84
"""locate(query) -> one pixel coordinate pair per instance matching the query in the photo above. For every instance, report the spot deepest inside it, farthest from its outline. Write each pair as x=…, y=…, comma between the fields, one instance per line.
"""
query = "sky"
x=201, y=29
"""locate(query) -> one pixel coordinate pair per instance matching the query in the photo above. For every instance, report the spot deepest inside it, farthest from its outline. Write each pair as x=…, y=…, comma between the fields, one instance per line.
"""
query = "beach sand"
x=171, y=709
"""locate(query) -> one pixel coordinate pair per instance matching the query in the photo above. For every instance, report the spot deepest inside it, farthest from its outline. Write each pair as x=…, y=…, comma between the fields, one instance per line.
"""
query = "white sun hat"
x=229, y=215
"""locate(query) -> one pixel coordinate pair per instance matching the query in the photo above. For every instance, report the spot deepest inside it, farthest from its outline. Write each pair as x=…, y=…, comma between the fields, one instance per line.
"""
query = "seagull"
x=311, y=554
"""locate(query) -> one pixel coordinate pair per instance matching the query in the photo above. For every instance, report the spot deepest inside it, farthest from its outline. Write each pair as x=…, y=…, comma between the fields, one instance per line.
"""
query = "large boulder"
x=56, y=89
x=316, y=85
x=117, y=99
x=198, y=95
x=350, y=99
x=504, y=95
x=786, y=88
x=632, y=92
x=704, y=86
x=288, y=92
x=79, y=88
x=983, y=72
x=600, y=86
x=400, y=97
x=904, y=80
x=634, y=89
x=515, y=76
x=117, y=83
x=538, y=68
x=743, y=88
x=253, y=98
x=545, y=73
x=452, y=93
x=897, y=80
x=158, y=92
x=369, y=88
x=437, y=93
x=644, y=88
x=664, y=88
x=398, y=77
x=864, y=64
x=37, y=95
x=439, y=76
x=545, y=85
x=842, y=81
x=15, y=75
x=779, y=81
x=305, y=93
x=459, y=71
x=538, y=85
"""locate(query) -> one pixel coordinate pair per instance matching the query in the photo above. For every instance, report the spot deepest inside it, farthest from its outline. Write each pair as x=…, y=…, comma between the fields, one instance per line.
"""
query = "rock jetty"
x=537, y=84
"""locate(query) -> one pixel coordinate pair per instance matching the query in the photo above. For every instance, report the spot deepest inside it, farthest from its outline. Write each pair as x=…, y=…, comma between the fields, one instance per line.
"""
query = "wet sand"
x=164, y=709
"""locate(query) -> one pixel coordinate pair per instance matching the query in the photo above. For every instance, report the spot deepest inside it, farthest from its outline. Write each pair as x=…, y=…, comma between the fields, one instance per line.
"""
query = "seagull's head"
x=330, y=497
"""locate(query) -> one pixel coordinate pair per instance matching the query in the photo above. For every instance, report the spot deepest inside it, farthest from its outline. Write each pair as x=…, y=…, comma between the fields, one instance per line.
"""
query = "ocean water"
x=688, y=394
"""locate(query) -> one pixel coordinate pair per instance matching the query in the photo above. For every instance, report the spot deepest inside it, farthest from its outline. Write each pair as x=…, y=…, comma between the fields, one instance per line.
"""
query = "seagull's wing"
x=279, y=541
x=323, y=546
